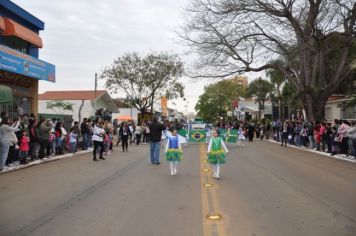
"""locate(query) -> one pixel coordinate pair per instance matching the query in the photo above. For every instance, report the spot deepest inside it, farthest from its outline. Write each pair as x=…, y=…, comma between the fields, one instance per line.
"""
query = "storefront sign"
x=20, y=63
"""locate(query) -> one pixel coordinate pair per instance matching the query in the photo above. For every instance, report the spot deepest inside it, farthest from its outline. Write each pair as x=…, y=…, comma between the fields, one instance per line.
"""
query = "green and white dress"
x=217, y=151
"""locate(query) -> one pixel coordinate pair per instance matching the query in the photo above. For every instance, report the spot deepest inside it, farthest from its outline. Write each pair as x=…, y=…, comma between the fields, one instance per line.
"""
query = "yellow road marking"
x=213, y=219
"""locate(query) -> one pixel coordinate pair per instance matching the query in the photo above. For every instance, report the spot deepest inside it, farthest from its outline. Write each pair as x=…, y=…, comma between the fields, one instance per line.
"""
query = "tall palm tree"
x=277, y=79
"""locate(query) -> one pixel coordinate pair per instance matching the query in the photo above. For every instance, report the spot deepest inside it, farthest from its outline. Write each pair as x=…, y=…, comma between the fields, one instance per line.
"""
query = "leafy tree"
x=217, y=99
x=261, y=90
x=145, y=79
x=291, y=99
x=313, y=38
x=59, y=107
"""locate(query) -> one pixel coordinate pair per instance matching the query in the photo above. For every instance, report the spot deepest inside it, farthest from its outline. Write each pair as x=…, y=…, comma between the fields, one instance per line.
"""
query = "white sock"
x=171, y=165
x=218, y=170
x=214, y=169
x=175, y=167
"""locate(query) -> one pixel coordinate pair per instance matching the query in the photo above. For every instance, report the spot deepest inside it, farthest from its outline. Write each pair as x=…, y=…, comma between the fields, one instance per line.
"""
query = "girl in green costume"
x=216, y=153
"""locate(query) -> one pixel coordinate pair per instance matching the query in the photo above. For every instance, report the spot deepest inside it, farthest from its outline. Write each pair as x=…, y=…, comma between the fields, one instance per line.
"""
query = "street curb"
x=43, y=161
x=317, y=152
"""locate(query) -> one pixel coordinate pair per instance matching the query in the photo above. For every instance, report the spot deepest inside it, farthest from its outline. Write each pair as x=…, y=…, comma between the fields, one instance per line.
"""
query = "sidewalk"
x=340, y=157
x=43, y=161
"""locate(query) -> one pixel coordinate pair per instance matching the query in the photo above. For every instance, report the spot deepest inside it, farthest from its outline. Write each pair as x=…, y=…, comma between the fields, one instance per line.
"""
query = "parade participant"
x=216, y=153
x=98, y=138
x=173, y=151
x=241, y=137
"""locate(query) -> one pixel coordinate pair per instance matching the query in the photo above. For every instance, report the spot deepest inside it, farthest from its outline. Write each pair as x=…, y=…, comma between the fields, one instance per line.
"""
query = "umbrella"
x=124, y=117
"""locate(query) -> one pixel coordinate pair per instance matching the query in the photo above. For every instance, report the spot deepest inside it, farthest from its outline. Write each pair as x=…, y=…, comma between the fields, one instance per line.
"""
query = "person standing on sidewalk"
x=43, y=134
x=155, y=136
x=285, y=132
x=124, y=133
x=85, y=133
x=98, y=139
x=7, y=138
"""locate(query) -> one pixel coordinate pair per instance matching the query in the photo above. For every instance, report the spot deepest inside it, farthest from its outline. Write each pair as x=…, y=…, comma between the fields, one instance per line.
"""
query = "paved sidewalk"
x=339, y=157
x=43, y=161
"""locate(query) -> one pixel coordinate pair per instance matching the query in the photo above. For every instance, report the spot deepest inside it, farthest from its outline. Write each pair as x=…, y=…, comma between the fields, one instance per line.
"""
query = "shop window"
x=16, y=43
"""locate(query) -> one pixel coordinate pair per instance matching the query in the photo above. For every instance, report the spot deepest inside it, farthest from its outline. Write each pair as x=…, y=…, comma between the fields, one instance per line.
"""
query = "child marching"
x=173, y=151
x=217, y=153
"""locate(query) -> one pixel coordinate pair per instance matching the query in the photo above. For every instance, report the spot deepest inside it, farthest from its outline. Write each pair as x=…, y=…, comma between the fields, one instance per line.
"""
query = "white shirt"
x=98, y=134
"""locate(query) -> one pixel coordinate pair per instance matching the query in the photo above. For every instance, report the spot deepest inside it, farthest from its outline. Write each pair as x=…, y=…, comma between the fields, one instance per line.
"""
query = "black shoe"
x=102, y=158
x=158, y=163
x=95, y=159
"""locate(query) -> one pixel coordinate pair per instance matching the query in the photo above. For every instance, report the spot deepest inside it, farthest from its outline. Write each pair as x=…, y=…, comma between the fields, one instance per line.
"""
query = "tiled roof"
x=71, y=95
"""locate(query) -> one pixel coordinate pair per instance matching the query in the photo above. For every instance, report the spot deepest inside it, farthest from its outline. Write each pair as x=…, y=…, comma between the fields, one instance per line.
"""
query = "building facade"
x=84, y=103
x=20, y=67
x=335, y=110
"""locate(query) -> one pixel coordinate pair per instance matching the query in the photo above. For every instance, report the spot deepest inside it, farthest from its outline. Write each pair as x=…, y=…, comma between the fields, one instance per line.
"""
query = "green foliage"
x=145, y=79
x=217, y=99
x=260, y=89
x=59, y=107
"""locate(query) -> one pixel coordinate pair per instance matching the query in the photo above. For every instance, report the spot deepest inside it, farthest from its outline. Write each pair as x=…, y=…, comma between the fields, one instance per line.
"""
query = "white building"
x=85, y=102
x=251, y=106
x=334, y=110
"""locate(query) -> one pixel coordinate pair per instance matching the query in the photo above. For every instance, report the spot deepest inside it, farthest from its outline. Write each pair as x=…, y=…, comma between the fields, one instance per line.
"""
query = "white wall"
x=332, y=111
x=87, y=109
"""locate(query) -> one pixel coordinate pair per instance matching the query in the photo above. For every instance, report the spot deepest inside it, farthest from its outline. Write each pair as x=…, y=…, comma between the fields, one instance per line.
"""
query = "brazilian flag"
x=182, y=132
x=231, y=136
x=197, y=136
x=222, y=133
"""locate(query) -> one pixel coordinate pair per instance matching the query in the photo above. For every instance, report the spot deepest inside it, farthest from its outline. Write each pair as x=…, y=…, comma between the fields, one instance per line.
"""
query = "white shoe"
x=175, y=171
x=172, y=173
x=214, y=175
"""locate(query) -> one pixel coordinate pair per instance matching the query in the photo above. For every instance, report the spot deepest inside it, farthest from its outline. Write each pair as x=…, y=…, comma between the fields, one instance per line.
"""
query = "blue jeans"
x=73, y=147
x=311, y=142
x=4, y=151
x=154, y=151
x=85, y=141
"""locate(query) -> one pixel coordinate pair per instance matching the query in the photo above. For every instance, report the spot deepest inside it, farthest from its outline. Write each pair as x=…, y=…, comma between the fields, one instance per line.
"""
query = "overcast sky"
x=83, y=36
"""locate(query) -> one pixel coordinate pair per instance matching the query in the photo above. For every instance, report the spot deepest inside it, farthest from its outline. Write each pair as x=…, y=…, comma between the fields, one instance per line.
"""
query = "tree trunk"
x=314, y=107
x=259, y=109
x=80, y=111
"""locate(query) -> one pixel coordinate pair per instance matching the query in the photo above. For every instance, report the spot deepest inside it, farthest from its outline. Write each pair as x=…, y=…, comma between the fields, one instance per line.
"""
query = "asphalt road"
x=264, y=190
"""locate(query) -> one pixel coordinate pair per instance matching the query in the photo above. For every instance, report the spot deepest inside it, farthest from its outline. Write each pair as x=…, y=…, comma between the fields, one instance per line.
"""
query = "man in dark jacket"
x=155, y=140
x=85, y=133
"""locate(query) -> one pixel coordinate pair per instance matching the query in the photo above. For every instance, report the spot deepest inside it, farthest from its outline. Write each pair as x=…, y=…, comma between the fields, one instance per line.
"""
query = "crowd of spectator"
x=338, y=137
x=29, y=138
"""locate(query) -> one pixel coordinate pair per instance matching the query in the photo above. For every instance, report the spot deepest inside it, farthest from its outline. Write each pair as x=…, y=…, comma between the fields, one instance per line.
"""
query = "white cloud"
x=83, y=36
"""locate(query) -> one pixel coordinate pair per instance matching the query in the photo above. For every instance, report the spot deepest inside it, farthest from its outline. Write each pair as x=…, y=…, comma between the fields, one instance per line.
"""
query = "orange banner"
x=164, y=106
